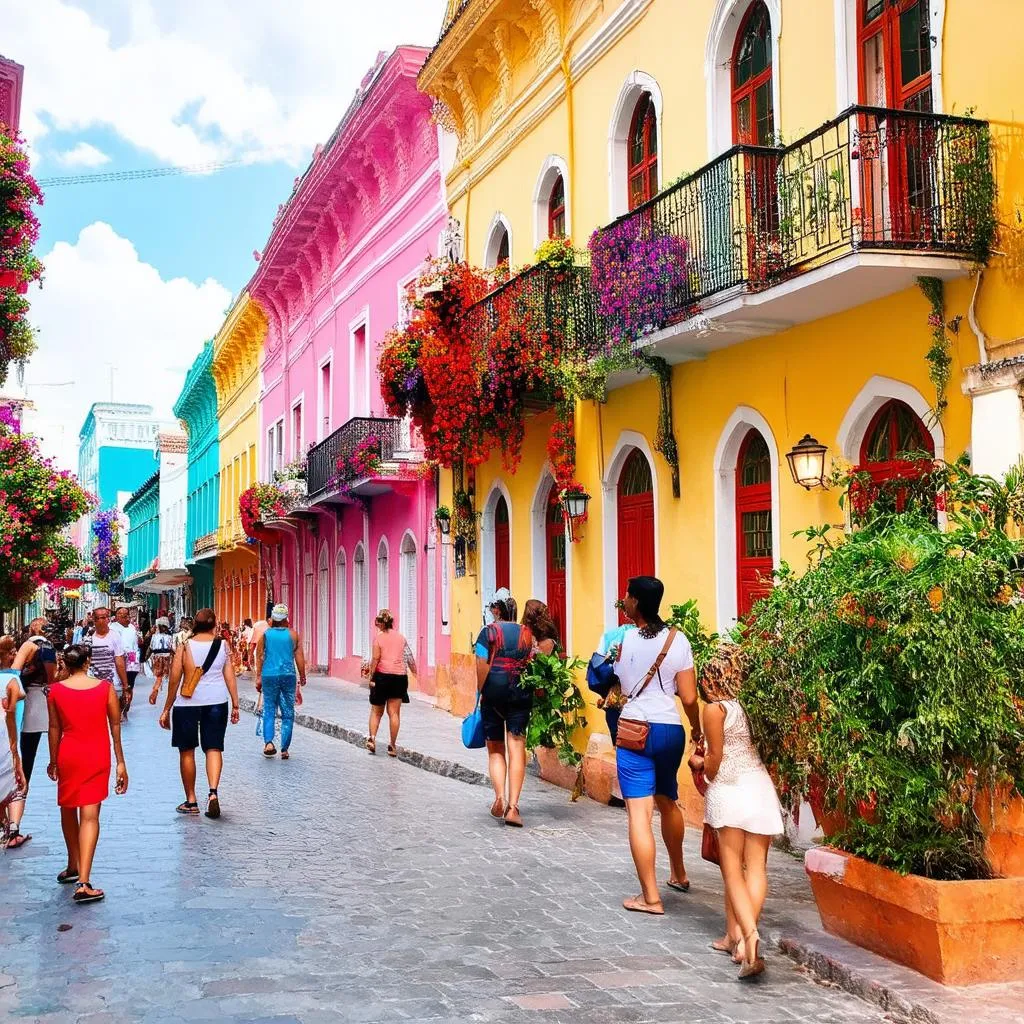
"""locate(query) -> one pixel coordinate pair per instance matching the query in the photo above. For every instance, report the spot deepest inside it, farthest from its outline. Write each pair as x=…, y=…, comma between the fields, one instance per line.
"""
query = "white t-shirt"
x=104, y=650
x=658, y=702
x=211, y=689
x=130, y=643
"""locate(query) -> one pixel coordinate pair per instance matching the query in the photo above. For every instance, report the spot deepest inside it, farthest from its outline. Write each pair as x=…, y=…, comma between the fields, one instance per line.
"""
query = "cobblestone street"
x=340, y=887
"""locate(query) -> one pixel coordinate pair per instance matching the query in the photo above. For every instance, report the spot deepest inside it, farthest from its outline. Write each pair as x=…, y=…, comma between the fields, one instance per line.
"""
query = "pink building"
x=333, y=280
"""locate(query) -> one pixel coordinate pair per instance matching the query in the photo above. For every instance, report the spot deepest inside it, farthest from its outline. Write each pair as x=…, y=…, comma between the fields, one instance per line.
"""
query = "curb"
x=436, y=765
x=823, y=967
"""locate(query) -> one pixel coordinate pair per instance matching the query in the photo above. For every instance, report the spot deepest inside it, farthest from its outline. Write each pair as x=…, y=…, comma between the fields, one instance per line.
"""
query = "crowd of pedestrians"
x=79, y=697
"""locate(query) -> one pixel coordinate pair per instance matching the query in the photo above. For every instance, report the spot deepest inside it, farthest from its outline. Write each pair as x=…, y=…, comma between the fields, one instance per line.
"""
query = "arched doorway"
x=753, y=101
x=382, y=574
x=323, y=609
x=635, y=519
x=754, y=562
x=360, y=603
x=408, y=584
x=894, y=432
x=554, y=542
x=307, y=605
x=340, y=604
x=643, y=152
x=502, y=545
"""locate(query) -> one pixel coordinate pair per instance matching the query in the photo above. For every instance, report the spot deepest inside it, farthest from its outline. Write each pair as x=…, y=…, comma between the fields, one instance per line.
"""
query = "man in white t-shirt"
x=655, y=668
x=125, y=628
x=107, y=658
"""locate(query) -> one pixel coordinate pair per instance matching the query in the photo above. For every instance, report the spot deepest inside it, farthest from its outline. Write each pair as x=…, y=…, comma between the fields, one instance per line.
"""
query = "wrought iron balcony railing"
x=205, y=544
x=354, y=450
x=871, y=179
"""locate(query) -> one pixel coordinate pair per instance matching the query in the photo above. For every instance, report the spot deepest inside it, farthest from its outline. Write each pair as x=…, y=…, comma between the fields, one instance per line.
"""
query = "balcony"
x=774, y=237
x=205, y=546
x=359, y=460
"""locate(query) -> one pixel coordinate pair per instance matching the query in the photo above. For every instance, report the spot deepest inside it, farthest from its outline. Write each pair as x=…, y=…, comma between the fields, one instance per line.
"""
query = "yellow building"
x=730, y=126
x=239, y=586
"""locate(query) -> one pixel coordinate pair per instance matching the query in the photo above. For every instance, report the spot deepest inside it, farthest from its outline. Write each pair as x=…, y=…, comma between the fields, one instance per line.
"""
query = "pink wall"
x=365, y=216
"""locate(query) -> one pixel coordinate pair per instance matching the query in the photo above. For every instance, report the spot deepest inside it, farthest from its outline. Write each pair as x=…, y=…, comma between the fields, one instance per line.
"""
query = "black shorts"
x=29, y=746
x=499, y=717
x=389, y=686
x=203, y=726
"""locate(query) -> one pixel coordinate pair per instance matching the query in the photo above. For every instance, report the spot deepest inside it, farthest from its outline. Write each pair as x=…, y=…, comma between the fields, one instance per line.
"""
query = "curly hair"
x=385, y=620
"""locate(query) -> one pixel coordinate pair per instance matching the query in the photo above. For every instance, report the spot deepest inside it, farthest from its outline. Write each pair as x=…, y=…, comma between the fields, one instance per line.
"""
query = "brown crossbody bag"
x=632, y=734
x=193, y=675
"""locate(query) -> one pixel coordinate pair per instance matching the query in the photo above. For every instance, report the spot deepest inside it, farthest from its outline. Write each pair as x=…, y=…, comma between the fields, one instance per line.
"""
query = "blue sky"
x=140, y=273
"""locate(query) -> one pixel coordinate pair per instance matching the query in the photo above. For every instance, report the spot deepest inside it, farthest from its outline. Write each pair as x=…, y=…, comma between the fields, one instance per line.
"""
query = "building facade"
x=333, y=279
x=12, y=76
x=239, y=583
x=196, y=407
x=142, y=545
x=787, y=299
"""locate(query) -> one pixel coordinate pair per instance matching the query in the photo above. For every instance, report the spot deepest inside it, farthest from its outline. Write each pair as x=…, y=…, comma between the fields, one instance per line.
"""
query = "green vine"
x=939, y=355
x=558, y=708
x=665, y=442
x=972, y=202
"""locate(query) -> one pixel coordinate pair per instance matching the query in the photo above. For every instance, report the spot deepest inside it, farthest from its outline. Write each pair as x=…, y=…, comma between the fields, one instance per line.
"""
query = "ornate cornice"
x=196, y=406
x=379, y=148
x=236, y=349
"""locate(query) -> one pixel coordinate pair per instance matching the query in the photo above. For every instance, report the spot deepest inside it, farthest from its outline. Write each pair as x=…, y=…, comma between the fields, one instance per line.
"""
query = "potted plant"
x=292, y=478
x=885, y=683
x=443, y=518
x=557, y=713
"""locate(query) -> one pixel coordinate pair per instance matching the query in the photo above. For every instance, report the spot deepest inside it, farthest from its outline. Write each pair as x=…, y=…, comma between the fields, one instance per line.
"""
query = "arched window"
x=307, y=602
x=408, y=585
x=554, y=535
x=753, y=114
x=635, y=519
x=643, y=152
x=895, y=54
x=556, y=209
x=340, y=605
x=382, y=574
x=360, y=604
x=503, y=248
x=502, y=546
x=894, y=431
x=753, y=522
x=323, y=609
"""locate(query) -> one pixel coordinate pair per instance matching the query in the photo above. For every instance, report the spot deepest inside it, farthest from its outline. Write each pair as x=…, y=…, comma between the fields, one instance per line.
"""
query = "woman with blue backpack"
x=503, y=650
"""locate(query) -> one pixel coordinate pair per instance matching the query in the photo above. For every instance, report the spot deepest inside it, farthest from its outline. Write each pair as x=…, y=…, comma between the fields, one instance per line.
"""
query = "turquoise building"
x=143, y=548
x=196, y=407
x=117, y=450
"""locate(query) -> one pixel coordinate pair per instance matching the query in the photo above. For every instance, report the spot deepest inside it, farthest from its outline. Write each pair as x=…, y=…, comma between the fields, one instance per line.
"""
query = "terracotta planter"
x=1001, y=813
x=552, y=770
x=958, y=933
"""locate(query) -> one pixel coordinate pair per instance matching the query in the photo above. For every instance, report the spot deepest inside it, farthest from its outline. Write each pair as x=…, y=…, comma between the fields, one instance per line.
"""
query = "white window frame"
x=383, y=573
x=498, y=223
x=406, y=287
x=408, y=610
x=296, y=449
x=323, y=431
x=552, y=169
x=340, y=604
x=357, y=407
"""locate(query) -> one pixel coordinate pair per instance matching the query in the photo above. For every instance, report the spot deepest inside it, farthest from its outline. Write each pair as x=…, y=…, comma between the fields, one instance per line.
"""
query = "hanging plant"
x=939, y=354
x=106, y=548
x=665, y=441
x=259, y=503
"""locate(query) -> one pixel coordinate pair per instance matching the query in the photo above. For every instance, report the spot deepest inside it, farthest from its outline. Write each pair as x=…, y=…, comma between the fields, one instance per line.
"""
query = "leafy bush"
x=886, y=679
x=558, y=706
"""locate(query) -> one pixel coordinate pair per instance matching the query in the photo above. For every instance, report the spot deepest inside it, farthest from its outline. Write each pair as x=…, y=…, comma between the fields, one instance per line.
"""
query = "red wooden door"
x=502, y=548
x=635, y=519
x=894, y=432
x=554, y=531
x=753, y=522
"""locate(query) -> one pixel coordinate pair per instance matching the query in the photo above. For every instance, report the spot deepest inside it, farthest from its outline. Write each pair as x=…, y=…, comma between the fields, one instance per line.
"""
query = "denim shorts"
x=498, y=717
x=203, y=726
x=653, y=771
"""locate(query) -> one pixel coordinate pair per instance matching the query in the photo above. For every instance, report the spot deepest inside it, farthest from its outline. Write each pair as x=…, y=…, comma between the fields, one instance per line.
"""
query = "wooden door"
x=754, y=562
x=502, y=546
x=555, y=538
x=635, y=519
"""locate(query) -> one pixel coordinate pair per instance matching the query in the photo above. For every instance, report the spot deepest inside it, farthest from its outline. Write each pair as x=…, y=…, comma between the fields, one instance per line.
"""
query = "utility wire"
x=148, y=172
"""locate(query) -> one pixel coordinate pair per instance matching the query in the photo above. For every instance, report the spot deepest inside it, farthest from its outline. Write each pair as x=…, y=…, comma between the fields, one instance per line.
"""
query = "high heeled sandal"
x=751, y=967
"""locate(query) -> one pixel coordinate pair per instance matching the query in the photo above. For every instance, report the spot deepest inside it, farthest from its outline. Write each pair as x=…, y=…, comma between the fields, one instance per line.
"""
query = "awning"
x=165, y=579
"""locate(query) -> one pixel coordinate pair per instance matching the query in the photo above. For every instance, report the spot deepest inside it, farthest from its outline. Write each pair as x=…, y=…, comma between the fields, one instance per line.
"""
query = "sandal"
x=640, y=906
x=269, y=750
x=512, y=818
x=285, y=755
x=678, y=886
x=371, y=745
x=392, y=752
x=498, y=808
x=67, y=876
x=752, y=967
x=16, y=840
x=85, y=893
x=213, y=805
x=187, y=807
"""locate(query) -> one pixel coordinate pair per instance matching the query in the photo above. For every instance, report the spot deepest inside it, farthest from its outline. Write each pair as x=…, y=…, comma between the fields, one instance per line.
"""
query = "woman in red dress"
x=84, y=717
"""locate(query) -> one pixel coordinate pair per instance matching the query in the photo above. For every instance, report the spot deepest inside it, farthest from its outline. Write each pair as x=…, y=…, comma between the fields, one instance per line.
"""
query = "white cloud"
x=107, y=319
x=191, y=81
x=84, y=155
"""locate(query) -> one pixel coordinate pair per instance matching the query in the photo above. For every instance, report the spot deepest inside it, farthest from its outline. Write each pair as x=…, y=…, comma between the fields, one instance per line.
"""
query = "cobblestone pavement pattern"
x=340, y=887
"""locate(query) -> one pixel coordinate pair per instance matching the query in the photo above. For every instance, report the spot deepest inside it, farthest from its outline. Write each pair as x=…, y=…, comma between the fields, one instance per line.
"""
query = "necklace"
x=649, y=632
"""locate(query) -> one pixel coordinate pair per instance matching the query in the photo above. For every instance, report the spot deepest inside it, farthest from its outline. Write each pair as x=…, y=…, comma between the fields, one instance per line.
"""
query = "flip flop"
x=392, y=752
x=17, y=841
x=269, y=750
x=371, y=746
x=82, y=894
x=285, y=755
x=67, y=876
x=187, y=808
x=213, y=805
x=639, y=905
x=678, y=886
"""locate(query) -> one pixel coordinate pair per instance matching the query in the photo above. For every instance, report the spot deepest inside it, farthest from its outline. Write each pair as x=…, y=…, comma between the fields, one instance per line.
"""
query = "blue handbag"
x=473, y=728
x=601, y=675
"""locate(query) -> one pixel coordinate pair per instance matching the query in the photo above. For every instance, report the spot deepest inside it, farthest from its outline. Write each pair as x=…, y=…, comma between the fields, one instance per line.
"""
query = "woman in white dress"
x=741, y=805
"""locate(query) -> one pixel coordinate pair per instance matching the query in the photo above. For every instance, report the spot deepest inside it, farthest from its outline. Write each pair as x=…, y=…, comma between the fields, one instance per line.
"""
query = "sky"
x=140, y=273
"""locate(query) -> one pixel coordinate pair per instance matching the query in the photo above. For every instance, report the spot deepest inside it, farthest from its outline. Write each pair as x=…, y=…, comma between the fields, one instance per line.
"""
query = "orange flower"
x=935, y=598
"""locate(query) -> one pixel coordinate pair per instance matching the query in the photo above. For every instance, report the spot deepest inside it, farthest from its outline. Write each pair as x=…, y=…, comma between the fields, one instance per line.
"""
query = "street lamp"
x=807, y=462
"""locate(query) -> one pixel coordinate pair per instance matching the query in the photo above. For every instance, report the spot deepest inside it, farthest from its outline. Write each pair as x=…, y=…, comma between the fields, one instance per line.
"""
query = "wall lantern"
x=575, y=502
x=807, y=462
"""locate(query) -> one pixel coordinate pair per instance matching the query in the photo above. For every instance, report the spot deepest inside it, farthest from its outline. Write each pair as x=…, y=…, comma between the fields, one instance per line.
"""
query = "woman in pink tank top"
x=389, y=680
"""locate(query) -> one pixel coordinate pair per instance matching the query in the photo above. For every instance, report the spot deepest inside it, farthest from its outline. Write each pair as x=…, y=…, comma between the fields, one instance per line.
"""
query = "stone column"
x=997, y=421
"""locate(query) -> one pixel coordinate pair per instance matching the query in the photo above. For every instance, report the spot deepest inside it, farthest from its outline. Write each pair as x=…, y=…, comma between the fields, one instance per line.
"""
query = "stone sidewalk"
x=430, y=739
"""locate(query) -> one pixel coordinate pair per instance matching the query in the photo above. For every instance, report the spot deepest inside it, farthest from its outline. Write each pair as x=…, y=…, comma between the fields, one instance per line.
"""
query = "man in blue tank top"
x=280, y=671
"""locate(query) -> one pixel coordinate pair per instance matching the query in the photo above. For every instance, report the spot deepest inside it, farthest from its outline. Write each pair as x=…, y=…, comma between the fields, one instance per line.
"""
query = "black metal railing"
x=345, y=455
